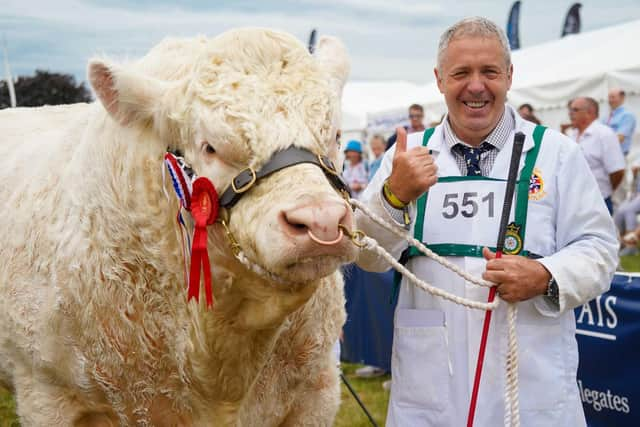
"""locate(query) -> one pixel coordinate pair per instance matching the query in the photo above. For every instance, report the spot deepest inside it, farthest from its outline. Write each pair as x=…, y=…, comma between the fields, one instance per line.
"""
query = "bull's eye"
x=208, y=148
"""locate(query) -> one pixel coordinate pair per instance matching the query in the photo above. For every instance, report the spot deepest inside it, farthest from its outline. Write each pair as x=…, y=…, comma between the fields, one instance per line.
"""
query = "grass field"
x=369, y=390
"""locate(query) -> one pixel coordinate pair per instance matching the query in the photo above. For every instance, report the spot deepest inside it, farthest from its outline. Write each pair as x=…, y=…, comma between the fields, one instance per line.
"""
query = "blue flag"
x=513, y=30
x=312, y=41
x=572, y=21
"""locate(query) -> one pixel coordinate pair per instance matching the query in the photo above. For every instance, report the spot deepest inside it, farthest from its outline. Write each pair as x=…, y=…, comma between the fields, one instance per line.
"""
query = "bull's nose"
x=319, y=220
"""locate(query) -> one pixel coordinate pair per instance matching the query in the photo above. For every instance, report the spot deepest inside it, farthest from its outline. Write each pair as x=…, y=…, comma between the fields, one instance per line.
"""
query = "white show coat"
x=436, y=342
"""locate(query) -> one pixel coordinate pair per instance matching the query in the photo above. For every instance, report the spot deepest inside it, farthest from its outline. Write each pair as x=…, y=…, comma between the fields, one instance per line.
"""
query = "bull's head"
x=232, y=103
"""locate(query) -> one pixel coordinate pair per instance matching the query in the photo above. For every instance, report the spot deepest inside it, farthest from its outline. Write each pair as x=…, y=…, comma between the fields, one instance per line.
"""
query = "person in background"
x=355, y=171
x=599, y=145
x=565, y=128
x=378, y=146
x=621, y=120
x=526, y=112
x=416, y=118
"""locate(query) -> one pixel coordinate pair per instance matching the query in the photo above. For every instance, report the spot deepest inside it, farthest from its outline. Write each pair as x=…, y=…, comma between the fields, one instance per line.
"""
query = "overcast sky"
x=387, y=39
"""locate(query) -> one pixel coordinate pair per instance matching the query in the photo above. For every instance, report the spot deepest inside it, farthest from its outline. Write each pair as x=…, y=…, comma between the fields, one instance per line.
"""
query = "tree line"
x=44, y=88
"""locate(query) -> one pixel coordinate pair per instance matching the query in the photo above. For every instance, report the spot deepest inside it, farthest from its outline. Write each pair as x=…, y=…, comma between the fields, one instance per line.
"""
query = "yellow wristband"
x=392, y=198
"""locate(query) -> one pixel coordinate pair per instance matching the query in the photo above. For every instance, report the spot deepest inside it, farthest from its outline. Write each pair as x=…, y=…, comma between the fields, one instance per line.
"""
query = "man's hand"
x=413, y=172
x=517, y=278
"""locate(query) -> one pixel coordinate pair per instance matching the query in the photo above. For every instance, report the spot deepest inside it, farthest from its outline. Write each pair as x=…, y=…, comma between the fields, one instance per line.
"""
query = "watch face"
x=553, y=291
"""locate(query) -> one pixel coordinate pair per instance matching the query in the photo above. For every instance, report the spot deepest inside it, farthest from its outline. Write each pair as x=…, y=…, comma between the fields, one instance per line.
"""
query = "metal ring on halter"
x=356, y=236
x=326, y=242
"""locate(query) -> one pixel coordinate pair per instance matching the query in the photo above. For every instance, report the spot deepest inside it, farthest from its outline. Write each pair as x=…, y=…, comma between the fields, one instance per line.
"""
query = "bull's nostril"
x=294, y=225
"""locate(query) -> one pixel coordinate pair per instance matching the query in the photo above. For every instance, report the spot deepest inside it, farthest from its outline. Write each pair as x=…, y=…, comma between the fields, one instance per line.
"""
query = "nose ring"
x=326, y=242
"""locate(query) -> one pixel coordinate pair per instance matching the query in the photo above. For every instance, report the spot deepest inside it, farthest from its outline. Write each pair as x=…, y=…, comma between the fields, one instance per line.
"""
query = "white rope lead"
x=401, y=232
x=372, y=245
x=511, y=398
x=258, y=269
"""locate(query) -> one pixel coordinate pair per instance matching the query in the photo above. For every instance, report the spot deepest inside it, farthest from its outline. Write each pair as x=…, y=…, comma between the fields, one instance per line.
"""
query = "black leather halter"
x=280, y=160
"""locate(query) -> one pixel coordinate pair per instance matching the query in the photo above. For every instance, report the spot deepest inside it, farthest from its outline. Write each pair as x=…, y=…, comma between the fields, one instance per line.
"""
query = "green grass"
x=373, y=396
x=630, y=264
x=7, y=410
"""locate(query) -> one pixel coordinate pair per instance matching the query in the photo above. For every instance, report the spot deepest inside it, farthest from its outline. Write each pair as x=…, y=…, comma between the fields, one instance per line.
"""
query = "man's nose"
x=476, y=83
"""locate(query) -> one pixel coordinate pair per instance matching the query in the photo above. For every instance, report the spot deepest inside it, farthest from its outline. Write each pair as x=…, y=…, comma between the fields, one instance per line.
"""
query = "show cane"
x=518, y=143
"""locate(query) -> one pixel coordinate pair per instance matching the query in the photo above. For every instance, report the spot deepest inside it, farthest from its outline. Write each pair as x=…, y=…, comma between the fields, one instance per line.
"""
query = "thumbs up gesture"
x=413, y=172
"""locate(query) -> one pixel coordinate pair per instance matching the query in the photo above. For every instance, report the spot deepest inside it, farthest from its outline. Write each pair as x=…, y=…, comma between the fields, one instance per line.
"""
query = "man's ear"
x=127, y=95
x=438, y=79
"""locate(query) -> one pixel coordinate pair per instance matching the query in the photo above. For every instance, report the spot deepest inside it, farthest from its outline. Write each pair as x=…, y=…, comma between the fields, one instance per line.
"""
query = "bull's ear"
x=332, y=55
x=127, y=95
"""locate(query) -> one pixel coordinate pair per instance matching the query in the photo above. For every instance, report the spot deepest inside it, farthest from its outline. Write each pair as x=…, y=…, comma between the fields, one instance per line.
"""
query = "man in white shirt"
x=599, y=144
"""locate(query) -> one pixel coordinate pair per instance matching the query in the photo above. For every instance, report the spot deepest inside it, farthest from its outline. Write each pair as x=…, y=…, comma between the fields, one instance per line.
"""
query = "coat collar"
x=437, y=143
x=448, y=166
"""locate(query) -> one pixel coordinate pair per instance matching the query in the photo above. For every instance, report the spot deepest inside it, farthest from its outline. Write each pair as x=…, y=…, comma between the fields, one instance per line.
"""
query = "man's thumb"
x=488, y=255
x=401, y=140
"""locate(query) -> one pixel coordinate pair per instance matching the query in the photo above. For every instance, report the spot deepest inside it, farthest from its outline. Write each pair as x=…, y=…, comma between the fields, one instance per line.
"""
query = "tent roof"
x=360, y=98
x=577, y=56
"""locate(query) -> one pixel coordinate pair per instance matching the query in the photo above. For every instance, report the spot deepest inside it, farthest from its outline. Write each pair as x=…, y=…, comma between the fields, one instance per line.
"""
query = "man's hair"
x=527, y=106
x=380, y=138
x=592, y=104
x=416, y=107
x=473, y=27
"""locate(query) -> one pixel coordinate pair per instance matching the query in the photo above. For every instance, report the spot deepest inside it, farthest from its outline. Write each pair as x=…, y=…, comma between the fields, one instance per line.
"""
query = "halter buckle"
x=248, y=185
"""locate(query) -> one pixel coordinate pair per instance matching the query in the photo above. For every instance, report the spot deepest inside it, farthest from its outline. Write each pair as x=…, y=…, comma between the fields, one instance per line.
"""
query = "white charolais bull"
x=95, y=326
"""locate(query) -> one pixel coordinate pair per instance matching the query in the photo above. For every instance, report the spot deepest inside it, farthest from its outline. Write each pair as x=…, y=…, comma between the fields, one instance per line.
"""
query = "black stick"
x=518, y=143
x=355, y=395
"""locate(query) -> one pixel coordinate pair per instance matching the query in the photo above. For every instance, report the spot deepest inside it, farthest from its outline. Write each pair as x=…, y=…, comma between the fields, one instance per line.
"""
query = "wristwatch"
x=553, y=293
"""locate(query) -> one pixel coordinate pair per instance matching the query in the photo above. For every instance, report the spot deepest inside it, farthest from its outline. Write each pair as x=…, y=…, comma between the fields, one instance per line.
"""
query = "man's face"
x=377, y=147
x=615, y=99
x=415, y=118
x=474, y=80
x=524, y=112
x=579, y=114
x=353, y=157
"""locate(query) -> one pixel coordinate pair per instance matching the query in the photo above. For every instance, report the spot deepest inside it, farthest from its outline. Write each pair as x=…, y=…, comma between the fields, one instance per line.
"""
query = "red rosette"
x=204, y=210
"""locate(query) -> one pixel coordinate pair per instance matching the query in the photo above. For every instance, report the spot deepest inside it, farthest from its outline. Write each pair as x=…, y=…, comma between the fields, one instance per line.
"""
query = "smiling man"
x=561, y=247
